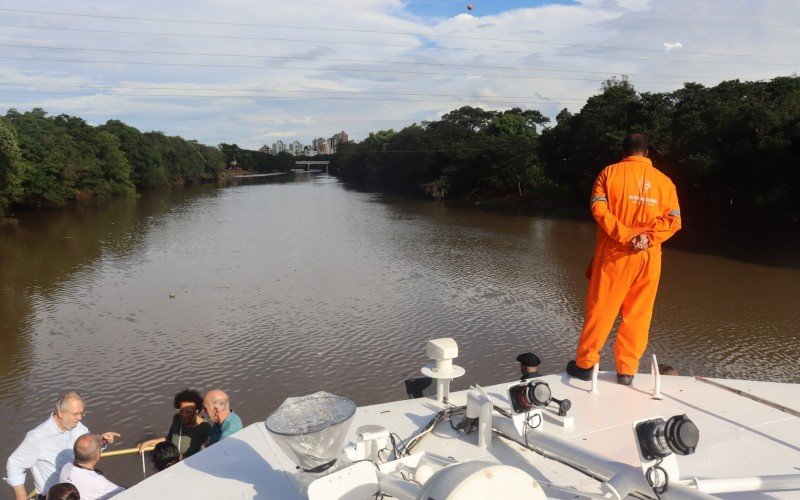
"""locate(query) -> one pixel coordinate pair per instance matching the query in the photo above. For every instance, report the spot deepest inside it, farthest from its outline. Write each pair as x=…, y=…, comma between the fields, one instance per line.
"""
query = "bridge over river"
x=309, y=163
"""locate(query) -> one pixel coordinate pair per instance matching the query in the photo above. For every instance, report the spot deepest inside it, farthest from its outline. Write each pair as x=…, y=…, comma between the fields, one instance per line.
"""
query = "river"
x=286, y=286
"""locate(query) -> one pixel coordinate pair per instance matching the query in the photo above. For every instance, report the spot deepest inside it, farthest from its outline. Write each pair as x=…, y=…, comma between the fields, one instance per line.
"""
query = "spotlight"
x=658, y=439
x=524, y=397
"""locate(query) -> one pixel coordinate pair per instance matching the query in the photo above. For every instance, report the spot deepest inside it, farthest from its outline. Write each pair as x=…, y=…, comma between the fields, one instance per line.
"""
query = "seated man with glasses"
x=48, y=447
x=188, y=430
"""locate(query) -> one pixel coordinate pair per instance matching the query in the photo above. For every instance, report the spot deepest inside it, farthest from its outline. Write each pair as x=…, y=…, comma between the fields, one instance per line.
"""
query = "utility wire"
x=394, y=45
x=703, y=23
x=344, y=70
x=402, y=33
x=498, y=100
x=326, y=59
x=209, y=89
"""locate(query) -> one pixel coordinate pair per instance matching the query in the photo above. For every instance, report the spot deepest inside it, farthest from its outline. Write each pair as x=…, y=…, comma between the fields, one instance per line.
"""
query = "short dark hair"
x=165, y=454
x=188, y=396
x=634, y=142
x=63, y=491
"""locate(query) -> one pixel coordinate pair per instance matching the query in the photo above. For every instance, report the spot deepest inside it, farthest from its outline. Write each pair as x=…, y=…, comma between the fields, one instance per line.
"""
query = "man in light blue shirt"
x=218, y=408
x=48, y=447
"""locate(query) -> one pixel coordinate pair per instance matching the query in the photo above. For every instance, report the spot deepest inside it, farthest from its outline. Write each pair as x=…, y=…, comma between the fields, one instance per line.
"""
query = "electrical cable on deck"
x=653, y=480
x=571, y=465
x=447, y=413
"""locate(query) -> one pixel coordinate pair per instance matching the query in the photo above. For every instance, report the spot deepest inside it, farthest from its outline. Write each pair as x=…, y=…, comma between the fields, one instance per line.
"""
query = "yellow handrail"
x=125, y=451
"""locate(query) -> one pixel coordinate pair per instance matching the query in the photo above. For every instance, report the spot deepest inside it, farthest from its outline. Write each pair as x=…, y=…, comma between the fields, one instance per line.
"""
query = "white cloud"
x=271, y=74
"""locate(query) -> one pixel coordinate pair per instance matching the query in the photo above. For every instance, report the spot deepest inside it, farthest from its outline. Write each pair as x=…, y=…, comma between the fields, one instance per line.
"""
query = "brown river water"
x=288, y=286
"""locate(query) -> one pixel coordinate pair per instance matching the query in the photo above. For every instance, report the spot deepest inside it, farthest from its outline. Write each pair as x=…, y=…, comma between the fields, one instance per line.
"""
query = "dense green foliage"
x=733, y=151
x=10, y=165
x=52, y=160
x=257, y=161
x=469, y=151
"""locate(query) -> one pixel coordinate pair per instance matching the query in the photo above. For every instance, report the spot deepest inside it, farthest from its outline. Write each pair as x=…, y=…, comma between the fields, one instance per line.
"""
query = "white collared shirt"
x=90, y=484
x=45, y=450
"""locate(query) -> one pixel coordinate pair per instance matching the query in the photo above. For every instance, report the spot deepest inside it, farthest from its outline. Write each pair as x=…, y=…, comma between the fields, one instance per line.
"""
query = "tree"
x=10, y=166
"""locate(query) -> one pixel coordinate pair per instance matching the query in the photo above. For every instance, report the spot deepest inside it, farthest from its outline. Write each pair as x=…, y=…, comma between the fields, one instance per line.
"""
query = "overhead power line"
x=400, y=33
x=706, y=23
x=343, y=70
x=223, y=89
x=497, y=100
x=334, y=59
x=415, y=46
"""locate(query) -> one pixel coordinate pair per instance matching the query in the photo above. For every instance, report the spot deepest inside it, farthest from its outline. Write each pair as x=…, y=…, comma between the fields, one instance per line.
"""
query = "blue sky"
x=270, y=69
x=437, y=9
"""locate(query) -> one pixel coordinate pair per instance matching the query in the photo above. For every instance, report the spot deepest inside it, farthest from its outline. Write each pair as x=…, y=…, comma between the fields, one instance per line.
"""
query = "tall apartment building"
x=321, y=145
x=278, y=147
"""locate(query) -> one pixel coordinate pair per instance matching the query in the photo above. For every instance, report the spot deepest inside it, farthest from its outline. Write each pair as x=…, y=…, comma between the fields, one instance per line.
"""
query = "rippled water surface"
x=286, y=287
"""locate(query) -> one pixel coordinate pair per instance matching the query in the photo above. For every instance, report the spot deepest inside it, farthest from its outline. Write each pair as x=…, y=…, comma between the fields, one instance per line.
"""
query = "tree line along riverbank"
x=50, y=161
x=733, y=151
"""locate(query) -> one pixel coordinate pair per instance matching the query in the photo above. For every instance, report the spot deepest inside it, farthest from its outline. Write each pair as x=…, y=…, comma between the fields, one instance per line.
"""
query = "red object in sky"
x=469, y=6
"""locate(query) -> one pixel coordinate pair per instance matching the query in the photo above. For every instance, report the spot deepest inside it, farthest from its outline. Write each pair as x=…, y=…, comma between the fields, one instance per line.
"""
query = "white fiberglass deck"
x=738, y=438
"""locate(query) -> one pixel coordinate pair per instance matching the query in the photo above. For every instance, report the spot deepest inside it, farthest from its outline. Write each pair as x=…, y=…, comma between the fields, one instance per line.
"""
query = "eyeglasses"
x=187, y=411
x=75, y=414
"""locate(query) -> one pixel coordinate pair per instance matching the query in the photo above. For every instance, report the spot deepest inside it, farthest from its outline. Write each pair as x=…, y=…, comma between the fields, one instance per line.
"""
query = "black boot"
x=575, y=371
x=624, y=379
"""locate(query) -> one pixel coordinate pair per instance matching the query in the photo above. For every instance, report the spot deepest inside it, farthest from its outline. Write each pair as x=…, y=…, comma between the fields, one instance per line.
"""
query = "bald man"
x=91, y=484
x=225, y=422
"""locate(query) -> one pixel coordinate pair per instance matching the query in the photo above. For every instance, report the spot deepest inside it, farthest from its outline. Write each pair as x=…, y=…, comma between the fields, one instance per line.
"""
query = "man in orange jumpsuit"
x=636, y=209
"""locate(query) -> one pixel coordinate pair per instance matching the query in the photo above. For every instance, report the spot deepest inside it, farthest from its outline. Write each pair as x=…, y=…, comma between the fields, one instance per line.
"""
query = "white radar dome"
x=484, y=480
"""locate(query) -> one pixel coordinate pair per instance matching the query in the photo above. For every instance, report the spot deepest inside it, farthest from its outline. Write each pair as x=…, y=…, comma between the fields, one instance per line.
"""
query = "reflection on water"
x=284, y=288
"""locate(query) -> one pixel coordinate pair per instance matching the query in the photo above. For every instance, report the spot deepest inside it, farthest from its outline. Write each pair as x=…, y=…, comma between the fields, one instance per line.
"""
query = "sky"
x=254, y=72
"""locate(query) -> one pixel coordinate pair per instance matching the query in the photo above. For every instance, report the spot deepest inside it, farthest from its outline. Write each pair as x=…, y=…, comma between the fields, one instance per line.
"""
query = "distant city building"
x=337, y=139
x=319, y=146
x=265, y=149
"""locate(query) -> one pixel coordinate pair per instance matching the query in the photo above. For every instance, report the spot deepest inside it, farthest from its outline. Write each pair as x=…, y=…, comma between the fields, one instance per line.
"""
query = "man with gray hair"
x=91, y=484
x=217, y=407
x=48, y=447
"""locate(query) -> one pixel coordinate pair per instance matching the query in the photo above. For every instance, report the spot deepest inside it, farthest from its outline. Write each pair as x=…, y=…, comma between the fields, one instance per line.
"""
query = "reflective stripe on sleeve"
x=596, y=199
x=675, y=213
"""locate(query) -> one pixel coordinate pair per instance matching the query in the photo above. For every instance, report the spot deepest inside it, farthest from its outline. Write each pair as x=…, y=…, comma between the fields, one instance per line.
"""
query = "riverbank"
x=774, y=253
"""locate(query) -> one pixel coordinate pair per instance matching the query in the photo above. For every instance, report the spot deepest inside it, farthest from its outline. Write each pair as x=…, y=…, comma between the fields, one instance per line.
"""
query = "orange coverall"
x=629, y=198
